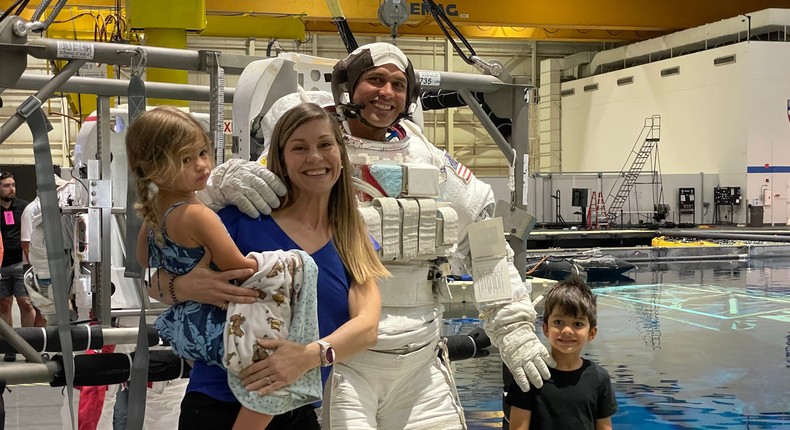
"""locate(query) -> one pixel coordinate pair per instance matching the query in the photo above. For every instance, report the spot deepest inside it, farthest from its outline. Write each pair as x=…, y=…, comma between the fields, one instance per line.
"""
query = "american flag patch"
x=459, y=169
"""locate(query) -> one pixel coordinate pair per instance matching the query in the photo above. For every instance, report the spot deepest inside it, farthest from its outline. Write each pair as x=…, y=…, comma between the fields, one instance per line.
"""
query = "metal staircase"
x=652, y=135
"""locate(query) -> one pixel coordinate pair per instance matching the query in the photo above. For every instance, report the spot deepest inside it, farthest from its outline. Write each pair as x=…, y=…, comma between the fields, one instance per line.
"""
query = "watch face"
x=330, y=355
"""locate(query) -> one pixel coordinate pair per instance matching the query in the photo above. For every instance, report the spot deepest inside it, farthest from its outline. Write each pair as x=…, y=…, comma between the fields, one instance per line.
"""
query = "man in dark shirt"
x=12, y=283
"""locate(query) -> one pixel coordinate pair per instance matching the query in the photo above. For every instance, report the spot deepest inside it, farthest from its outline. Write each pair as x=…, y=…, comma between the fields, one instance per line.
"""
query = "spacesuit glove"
x=245, y=184
x=511, y=328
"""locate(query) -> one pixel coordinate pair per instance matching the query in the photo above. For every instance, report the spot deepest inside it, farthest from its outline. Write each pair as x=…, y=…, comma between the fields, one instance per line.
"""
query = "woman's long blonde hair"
x=350, y=232
x=156, y=143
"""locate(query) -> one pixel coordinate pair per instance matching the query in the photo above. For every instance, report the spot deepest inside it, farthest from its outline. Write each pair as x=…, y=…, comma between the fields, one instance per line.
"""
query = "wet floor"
x=688, y=345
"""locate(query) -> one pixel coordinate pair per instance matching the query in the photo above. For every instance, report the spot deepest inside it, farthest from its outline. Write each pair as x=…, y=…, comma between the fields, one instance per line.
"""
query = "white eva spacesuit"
x=400, y=382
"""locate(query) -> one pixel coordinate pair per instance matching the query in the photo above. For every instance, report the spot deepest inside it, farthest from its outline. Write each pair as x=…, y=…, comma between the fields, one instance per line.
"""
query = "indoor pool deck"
x=688, y=345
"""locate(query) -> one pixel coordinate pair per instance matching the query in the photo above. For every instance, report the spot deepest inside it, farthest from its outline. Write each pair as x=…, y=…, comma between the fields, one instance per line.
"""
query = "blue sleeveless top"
x=263, y=234
x=176, y=259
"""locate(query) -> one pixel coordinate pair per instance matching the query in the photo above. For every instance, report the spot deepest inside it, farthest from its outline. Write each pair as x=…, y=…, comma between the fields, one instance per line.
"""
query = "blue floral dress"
x=193, y=329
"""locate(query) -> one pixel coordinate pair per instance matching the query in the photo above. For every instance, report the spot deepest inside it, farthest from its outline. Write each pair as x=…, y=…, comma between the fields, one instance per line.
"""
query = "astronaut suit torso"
x=411, y=313
x=400, y=382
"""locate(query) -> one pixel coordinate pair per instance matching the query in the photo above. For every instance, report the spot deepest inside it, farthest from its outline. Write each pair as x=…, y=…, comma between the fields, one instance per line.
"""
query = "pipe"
x=739, y=257
x=113, y=53
x=19, y=344
x=466, y=81
x=135, y=312
x=481, y=115
x=46, y=91
x=117, y=87
x=727, y=235
x=29, y=373
x=83, y=337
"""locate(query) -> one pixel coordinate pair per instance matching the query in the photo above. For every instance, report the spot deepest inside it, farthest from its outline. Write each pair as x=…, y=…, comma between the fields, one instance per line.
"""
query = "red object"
x=367, y=177
x=92, y=399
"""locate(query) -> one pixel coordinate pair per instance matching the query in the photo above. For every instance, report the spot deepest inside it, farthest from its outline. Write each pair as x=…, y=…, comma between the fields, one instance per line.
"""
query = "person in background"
x=34, y=246
x=579, y=394
x=12, y=284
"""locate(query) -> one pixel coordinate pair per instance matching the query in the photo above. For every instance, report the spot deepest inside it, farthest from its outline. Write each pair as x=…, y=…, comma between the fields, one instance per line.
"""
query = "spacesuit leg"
x=394, y=391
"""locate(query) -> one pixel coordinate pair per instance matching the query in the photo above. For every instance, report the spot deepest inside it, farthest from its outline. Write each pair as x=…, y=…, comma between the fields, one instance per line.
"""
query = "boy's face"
x=567, y=333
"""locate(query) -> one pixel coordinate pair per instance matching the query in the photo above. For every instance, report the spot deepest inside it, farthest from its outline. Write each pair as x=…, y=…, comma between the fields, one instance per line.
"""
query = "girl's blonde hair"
x=156, y=143
x=350, y=232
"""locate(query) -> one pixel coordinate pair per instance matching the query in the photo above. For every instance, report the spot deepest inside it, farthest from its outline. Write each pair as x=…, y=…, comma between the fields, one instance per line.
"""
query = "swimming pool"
x=688, y=345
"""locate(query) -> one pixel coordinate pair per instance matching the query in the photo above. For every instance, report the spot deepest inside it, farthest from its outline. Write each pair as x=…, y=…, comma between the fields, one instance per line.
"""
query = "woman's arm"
x=203, y=285
x=291, y=360
x=361, y=331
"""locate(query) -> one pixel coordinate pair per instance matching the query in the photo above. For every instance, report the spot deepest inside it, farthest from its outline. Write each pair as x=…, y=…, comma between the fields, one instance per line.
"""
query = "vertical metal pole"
x=519, y=141
x=449, y=114
x=98, y=202
x=216, y=104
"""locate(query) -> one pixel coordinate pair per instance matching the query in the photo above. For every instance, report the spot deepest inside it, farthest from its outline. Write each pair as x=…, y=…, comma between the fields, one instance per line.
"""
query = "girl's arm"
x=207, y=230
x=519, y=418
x=603, y=424
x=291, y=360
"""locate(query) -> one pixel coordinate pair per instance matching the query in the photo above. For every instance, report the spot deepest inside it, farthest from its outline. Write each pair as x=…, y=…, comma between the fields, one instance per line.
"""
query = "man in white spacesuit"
x=400, y=383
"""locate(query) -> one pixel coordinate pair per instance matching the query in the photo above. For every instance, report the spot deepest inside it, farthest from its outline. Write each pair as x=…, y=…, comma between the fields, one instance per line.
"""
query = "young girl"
x=171, y=158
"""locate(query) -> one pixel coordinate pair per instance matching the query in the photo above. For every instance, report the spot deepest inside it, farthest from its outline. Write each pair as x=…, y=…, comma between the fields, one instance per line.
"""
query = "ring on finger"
x=224, y=306
x=267, y=381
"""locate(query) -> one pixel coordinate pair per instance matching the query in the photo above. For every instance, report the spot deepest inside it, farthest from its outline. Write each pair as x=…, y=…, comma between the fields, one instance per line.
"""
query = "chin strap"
x=352, y=110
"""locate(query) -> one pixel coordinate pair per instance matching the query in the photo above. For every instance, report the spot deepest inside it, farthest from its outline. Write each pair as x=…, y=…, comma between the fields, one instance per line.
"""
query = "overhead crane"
x=569, y=20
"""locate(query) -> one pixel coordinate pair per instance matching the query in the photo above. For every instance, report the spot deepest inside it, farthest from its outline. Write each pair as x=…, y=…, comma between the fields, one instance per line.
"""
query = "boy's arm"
x=603, y=424
x=519, y=418
x=251, y=420
x=209, y=231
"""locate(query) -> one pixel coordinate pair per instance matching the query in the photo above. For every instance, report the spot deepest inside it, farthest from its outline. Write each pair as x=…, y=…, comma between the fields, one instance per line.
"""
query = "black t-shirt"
x=568, y=400
x=11, y=228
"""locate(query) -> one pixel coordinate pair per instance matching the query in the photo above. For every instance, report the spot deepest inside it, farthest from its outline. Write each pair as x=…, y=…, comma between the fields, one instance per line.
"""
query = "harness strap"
x=53, y=237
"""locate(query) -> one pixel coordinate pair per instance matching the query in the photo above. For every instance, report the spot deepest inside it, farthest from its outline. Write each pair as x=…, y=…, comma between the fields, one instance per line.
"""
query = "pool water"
x=688, y=346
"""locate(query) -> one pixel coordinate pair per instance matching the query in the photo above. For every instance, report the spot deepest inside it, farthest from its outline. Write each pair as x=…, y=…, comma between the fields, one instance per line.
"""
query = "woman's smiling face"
x=312, y=158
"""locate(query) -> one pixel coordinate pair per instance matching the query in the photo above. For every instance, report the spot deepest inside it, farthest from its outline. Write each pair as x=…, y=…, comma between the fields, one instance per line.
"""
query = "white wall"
x=768, y=135
x=715, y=119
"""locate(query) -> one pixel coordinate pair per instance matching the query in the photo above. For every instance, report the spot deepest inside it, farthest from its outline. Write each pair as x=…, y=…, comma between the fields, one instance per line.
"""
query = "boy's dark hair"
x=572, y=297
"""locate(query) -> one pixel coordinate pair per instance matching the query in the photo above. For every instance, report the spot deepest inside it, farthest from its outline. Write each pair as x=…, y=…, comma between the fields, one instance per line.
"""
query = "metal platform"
x=546, y=238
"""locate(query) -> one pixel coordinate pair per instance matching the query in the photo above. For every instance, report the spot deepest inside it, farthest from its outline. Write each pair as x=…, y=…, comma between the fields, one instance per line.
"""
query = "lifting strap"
x=138, y=383
x=53, y=234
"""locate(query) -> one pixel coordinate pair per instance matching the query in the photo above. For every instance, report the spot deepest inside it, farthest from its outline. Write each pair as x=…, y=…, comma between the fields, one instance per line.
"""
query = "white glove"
x=511, y=328
x=245, y=184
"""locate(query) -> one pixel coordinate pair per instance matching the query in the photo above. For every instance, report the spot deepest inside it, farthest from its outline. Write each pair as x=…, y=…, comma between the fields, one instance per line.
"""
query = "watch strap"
x=327, y=358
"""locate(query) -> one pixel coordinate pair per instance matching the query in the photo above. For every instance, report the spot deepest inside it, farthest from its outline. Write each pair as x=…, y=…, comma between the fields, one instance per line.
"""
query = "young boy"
x=579, y=394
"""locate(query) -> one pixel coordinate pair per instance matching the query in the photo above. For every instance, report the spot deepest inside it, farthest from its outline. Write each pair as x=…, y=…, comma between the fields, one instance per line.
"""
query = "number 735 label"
x=430, y=79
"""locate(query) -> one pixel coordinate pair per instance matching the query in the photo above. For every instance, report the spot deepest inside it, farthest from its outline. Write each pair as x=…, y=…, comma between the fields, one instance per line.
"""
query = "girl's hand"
x=204, y=285
x=286, y=364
